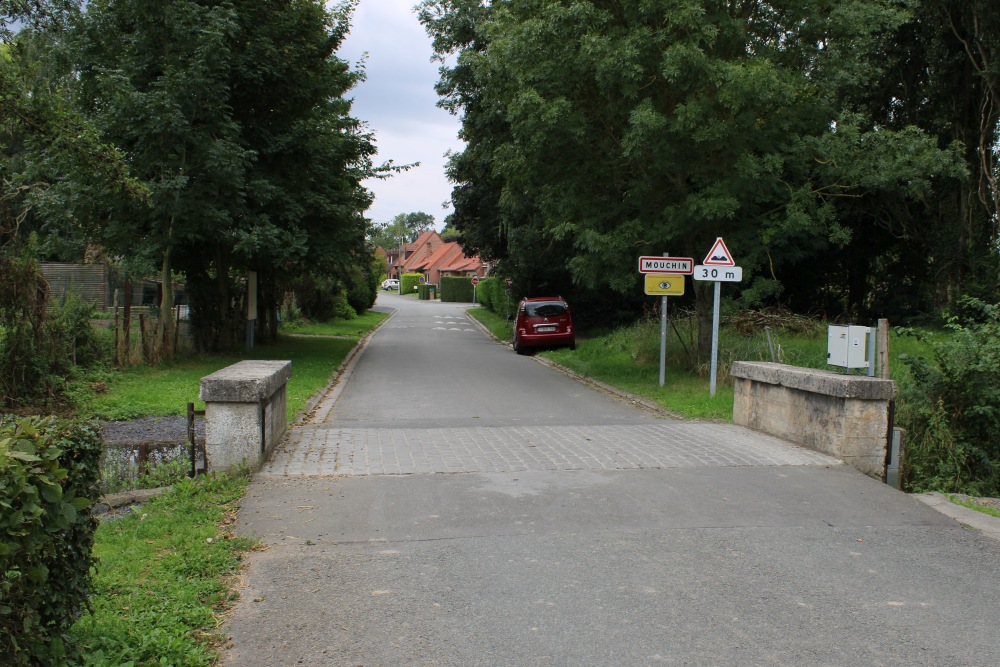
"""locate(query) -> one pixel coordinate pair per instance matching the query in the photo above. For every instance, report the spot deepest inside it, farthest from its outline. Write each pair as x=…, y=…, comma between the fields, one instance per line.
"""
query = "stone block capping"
x=245, y=412
x=845, y=416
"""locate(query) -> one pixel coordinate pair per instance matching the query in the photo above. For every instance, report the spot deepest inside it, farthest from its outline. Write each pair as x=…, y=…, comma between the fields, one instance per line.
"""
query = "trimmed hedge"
x=409, y=282
x=49, y=474
x=493, y=293
x=456, y=289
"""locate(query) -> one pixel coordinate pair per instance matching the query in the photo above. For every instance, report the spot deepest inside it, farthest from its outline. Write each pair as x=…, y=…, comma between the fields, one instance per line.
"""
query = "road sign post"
x=664, y=276
x=718, y=267
x=475, y=281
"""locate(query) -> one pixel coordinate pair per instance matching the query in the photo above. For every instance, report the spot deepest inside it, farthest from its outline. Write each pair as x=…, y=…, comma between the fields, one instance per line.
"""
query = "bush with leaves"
x=951, y=409
x=49, y=477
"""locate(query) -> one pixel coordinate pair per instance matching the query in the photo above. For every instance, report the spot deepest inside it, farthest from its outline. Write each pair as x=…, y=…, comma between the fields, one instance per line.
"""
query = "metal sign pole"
x=715, y=338
x=663, y=339
x=663, y=335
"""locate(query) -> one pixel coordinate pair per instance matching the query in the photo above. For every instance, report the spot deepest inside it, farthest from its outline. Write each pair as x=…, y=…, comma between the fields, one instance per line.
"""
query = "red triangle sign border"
x=719, y=250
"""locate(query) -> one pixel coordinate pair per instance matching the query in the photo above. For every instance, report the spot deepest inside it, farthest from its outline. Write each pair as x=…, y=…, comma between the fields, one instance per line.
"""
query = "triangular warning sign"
x=719, y=255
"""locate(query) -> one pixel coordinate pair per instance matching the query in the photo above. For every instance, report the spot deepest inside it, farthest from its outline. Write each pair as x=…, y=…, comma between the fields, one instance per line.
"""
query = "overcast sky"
x=399, y=104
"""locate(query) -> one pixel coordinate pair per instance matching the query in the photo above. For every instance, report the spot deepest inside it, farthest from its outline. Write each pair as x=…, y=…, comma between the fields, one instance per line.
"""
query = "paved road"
x=452, y=503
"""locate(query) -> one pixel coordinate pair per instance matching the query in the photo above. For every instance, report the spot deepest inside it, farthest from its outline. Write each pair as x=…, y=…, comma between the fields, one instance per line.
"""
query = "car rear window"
x=545, y=309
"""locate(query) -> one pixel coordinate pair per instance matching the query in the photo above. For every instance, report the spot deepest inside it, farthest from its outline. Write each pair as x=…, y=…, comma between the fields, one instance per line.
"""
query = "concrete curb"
x=342, y=372
x=984, y=523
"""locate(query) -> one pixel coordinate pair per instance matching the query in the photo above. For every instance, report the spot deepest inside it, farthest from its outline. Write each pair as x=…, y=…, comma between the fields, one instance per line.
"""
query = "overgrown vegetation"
x=48, y=480
x=951, y=409
x=164, y=576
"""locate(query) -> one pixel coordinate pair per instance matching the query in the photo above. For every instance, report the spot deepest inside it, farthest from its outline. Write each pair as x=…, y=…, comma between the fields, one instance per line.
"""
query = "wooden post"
x=114, y=302
x=883, y=349
x=143, y=459
x=127, y=325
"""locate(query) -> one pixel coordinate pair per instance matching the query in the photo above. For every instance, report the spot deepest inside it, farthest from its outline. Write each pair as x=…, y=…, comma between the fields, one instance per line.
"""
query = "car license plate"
x=545, y=329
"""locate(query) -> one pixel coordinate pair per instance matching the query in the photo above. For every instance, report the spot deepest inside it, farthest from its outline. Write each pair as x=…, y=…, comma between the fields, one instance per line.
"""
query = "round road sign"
x=475, y=280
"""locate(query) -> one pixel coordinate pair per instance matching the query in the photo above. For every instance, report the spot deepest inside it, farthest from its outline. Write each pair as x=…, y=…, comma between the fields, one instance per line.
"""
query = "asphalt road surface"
x=452, y=503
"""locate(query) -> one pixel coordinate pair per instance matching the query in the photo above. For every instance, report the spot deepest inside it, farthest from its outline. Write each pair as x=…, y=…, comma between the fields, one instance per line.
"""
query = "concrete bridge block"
x=245, y=412
x=846, y=416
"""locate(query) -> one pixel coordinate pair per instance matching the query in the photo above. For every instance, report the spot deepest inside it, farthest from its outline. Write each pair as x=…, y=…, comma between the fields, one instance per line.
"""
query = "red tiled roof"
x=446, y=253
x=464, y=263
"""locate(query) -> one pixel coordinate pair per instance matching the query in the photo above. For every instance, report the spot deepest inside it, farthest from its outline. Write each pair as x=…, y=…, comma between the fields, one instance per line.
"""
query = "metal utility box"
x=847, y=346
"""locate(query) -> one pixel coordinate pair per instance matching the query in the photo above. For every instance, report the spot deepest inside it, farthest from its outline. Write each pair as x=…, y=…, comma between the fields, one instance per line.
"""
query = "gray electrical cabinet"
x=847, y=346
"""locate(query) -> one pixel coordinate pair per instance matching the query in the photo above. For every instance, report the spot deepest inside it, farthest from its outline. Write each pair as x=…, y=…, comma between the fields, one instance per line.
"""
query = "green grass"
x=166, y=389
x=163, y=577
x=355, y=328
x=629, y=359
x=683, y=393
x=502, y=328
x=972, y=505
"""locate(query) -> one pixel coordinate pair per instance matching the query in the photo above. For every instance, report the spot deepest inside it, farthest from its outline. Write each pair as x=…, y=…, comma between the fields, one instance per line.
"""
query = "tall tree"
x=402, y=229
x=236, y=118
x=601, y=131
x=155, y=79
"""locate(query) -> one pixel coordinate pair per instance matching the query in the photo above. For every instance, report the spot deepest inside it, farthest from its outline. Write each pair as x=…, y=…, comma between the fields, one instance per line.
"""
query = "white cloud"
x=398, y=103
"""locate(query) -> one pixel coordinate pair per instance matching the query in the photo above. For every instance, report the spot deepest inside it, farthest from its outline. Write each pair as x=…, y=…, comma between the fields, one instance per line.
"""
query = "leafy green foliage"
x=951, y=410
x=597, y=133
x=49, y=476
x=455, y=289
x=164, y=576
x=409, y=282
x=403, y=229
x=234, y=117
x=41, y=346
x=493, y=293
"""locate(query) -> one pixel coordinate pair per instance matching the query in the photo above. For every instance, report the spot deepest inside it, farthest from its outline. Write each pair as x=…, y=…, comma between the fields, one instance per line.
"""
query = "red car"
x=543, y=322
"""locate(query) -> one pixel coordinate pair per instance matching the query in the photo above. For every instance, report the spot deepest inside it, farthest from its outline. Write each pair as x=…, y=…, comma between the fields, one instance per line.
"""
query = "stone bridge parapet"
x=245, y=412
x=846, y=416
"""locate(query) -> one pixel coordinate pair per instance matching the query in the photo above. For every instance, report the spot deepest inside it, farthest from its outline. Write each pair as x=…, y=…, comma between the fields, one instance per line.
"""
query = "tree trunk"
x=126, y=353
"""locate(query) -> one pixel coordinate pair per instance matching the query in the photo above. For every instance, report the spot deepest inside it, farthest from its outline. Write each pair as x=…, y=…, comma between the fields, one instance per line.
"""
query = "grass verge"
x=165, y=390
x=973, y=505
x=353, y=328
x=629, y=359
x=164, y=576
x=500, y=327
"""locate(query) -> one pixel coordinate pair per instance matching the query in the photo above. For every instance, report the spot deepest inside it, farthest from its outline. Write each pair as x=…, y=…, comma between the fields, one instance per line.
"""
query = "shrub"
x=951, y=409
x=408, y=282
x=456, y=289
x=362, y=288
x=342, y=309
x=49, y=475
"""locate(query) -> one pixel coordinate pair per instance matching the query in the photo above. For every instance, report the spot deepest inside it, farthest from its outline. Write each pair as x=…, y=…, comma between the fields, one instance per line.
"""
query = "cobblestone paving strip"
x=312, y=451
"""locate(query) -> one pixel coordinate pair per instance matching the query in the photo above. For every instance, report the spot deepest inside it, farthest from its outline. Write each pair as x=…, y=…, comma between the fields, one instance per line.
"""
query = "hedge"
x=426, y=291
x=408, y=282
x=49, y=475
x=493, y=293
x=456, y=289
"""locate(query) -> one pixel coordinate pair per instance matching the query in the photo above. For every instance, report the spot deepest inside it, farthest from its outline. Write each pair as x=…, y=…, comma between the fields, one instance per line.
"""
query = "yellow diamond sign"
x=662, y=284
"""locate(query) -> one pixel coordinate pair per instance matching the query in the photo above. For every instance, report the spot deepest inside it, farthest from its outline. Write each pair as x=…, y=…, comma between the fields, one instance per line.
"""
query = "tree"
x=154, y=78
x=402, y=229
x=235, y=117
x=598, y=132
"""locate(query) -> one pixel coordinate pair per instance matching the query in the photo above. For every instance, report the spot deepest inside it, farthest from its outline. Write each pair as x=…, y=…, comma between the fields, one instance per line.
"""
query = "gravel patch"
x=151, y=429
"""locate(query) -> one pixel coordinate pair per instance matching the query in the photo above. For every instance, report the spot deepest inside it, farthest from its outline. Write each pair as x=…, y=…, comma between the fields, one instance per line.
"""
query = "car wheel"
x=518, y=347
